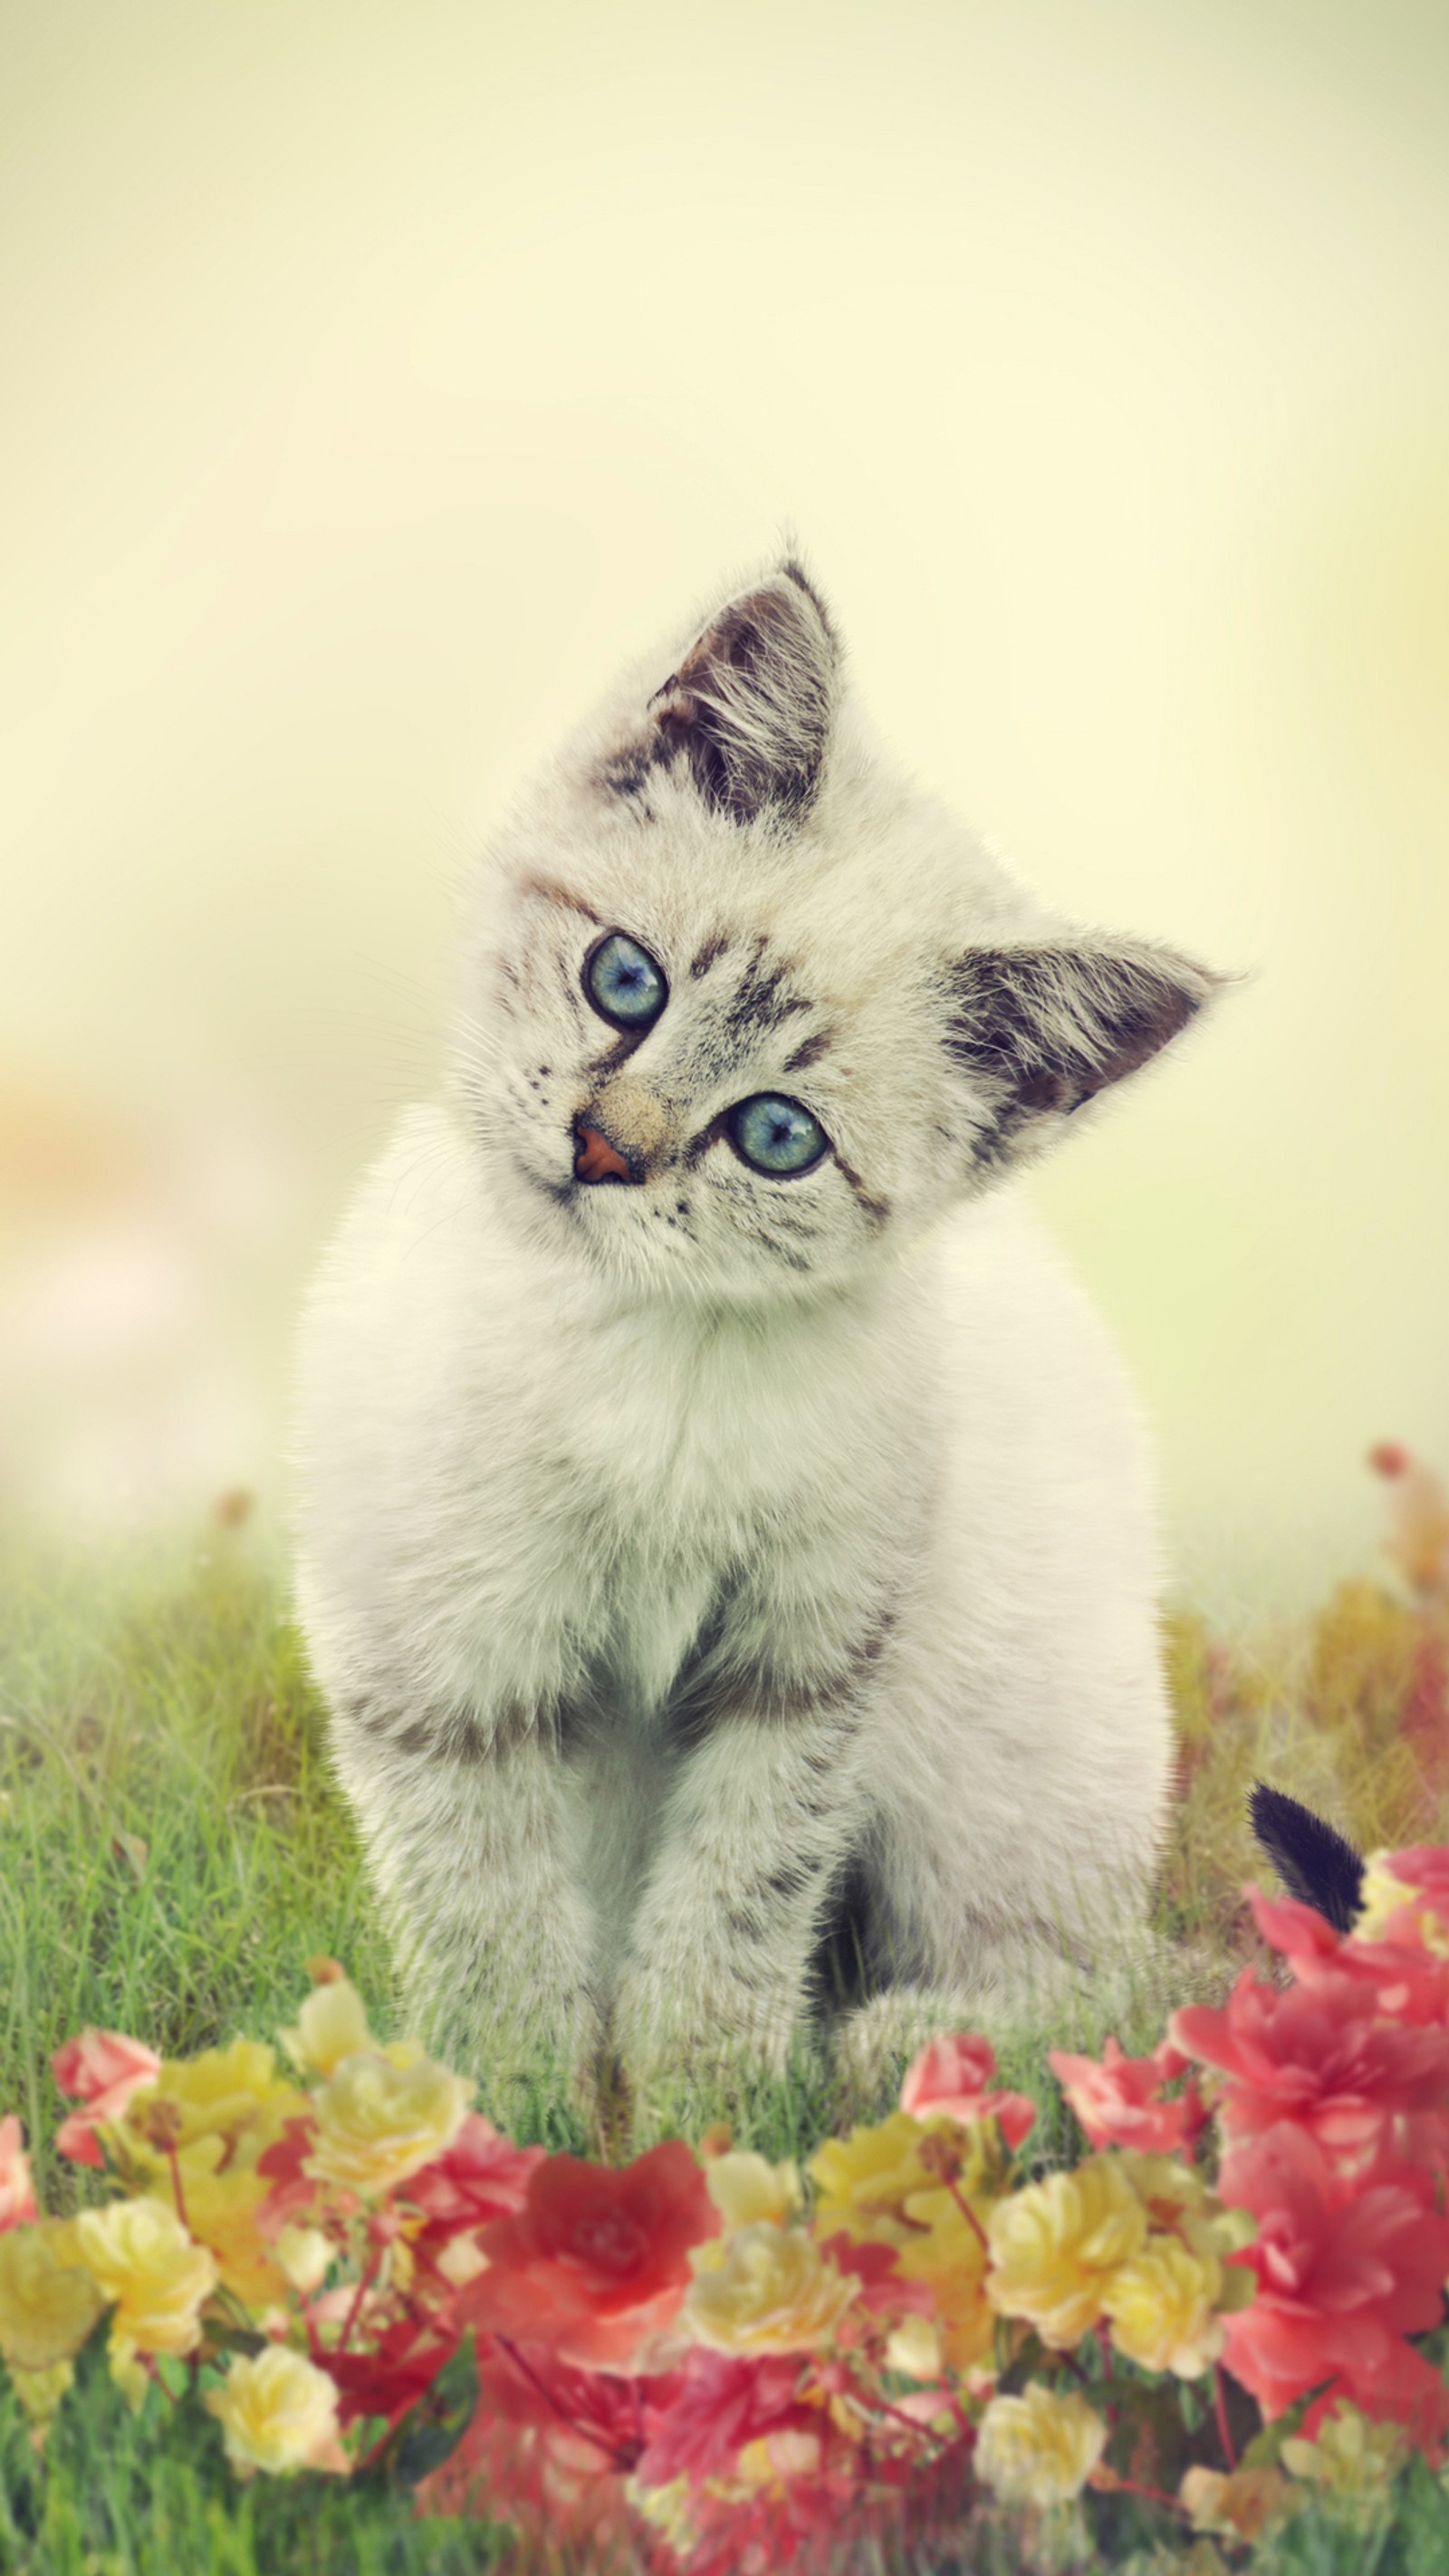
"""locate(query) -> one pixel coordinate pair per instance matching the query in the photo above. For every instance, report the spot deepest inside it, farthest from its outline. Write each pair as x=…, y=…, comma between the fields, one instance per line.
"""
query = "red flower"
x=1344, y=2272
x=595, y=2260
x=102, y=2069
x=1119, y=2102
x=951, y=2075
x=294, y=2190
x=481, y=2177
x=392, y=2374
x=1319, y=2054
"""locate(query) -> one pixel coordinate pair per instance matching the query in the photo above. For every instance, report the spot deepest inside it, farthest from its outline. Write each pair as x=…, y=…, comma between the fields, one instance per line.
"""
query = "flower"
x=1345, y=2270
x=1320, y=2054
x=1162, y=2308
x=277, y=2413
x=17, y=2198
x=747, y=2191
x=1039, y=2448
x=48, y=2301
x=1413, y=1882
x=330, y=2026
x=719, y=2404
x=946, y=2254
x=1348, y=2456
x=378, y=2122
x=230, y=2097
x=103, y=2069
x=1239, y=2506
x=951, y=2076
x=304, y=2258
x=863, y=2181
x=139, y=2255
x=773, y=2292
x=481, y=2175
x=1055, y=2245
x=597, y=2259
x=1119, y=2102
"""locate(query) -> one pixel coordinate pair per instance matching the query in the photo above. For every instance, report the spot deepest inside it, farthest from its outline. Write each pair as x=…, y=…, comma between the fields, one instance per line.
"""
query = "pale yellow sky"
x=378, y=376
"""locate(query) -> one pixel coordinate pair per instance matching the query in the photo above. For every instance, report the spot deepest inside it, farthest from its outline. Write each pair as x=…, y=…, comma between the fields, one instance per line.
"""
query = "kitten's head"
x=744, y=1011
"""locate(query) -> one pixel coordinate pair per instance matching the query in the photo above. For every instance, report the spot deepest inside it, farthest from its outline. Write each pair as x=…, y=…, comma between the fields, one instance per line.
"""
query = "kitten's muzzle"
x=622, y=1134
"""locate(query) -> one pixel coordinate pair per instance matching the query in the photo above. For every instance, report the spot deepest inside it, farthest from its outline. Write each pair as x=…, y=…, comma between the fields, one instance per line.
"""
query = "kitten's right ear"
x=750, y=707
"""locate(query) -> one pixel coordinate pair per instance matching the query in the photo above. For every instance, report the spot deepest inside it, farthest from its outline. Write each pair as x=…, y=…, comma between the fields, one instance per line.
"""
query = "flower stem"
x=1224, y=2436
x=370, y=2274
x=968, y=2213
x=174, y=2162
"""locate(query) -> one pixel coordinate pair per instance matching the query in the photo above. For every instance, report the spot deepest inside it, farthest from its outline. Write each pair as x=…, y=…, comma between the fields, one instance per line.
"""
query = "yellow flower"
x=774, y=2292
x=863, y=2181
x=231, y=2094
x=1382, y=1895
x=1239, y=2506
x=378, y=2122
x=48, y=2301
x=221, y=2204
x=139, y=2255
x=1349, y=2455
x=747, y=2191
x=277, y=2413
x=330, y=2026
x=914, y=2349
x=1039, y=2448
x=304, y=2258
x=1162, y=2308
x=1055, y=2245
x=947, y=2254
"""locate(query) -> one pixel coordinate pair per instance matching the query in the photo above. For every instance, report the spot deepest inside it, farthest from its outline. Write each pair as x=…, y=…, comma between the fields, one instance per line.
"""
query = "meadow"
x=172, y=1852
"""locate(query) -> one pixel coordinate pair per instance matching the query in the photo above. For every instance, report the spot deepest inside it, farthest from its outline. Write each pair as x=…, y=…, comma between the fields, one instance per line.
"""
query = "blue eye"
x=776, y=1135
x=623, y=982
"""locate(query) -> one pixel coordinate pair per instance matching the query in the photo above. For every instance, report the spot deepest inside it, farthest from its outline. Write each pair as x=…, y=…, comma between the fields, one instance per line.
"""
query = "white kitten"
x=725, y=1539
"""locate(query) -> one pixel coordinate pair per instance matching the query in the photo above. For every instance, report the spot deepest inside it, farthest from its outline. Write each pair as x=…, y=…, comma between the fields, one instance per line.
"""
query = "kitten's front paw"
x=710, y=2041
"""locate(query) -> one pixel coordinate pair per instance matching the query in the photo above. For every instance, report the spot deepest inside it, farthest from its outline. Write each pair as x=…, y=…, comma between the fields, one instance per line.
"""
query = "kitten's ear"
x=751, y=705
x=1040, y=1030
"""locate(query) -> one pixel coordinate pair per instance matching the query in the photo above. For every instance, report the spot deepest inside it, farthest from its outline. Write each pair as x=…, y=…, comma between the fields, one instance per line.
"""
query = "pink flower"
x=1407, y=1981
x=718, y=2403
x=1319, y=2054
x=1345, y=2271
x=482, y=2176
x=102, y=2069
x=1119, y=2102
x=17, y=2200
x=951, y=2077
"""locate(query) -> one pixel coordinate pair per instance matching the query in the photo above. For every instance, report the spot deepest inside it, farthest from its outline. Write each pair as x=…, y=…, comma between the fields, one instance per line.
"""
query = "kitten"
x=725, y=1535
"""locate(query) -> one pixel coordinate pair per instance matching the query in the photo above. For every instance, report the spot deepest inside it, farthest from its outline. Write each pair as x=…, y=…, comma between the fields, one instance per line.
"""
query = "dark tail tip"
x=1313, y=1860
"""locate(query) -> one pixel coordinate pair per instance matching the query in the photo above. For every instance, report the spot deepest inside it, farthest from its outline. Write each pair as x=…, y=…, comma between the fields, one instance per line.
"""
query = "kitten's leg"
x=757, y=1828
x=466, y=1835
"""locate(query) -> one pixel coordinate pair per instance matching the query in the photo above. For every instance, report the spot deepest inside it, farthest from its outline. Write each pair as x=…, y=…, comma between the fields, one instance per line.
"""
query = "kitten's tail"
x=1313, y=1860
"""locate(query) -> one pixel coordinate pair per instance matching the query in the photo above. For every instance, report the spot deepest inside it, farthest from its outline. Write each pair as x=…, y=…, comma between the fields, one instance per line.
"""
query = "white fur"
x=862, y=1442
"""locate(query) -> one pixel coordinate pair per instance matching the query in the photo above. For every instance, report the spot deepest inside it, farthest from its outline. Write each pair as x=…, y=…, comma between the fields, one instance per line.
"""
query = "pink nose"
x=595, y=1158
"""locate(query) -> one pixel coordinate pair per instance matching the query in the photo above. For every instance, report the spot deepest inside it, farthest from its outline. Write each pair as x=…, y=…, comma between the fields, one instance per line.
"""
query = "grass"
x=172, y=1850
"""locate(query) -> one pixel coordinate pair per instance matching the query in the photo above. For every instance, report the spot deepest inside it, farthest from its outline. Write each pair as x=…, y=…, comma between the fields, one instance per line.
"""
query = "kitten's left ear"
x=751, y=704
x=1040, y=1030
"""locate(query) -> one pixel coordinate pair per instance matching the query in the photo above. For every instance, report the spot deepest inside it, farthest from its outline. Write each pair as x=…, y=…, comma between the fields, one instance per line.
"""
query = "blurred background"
x=377, y=377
